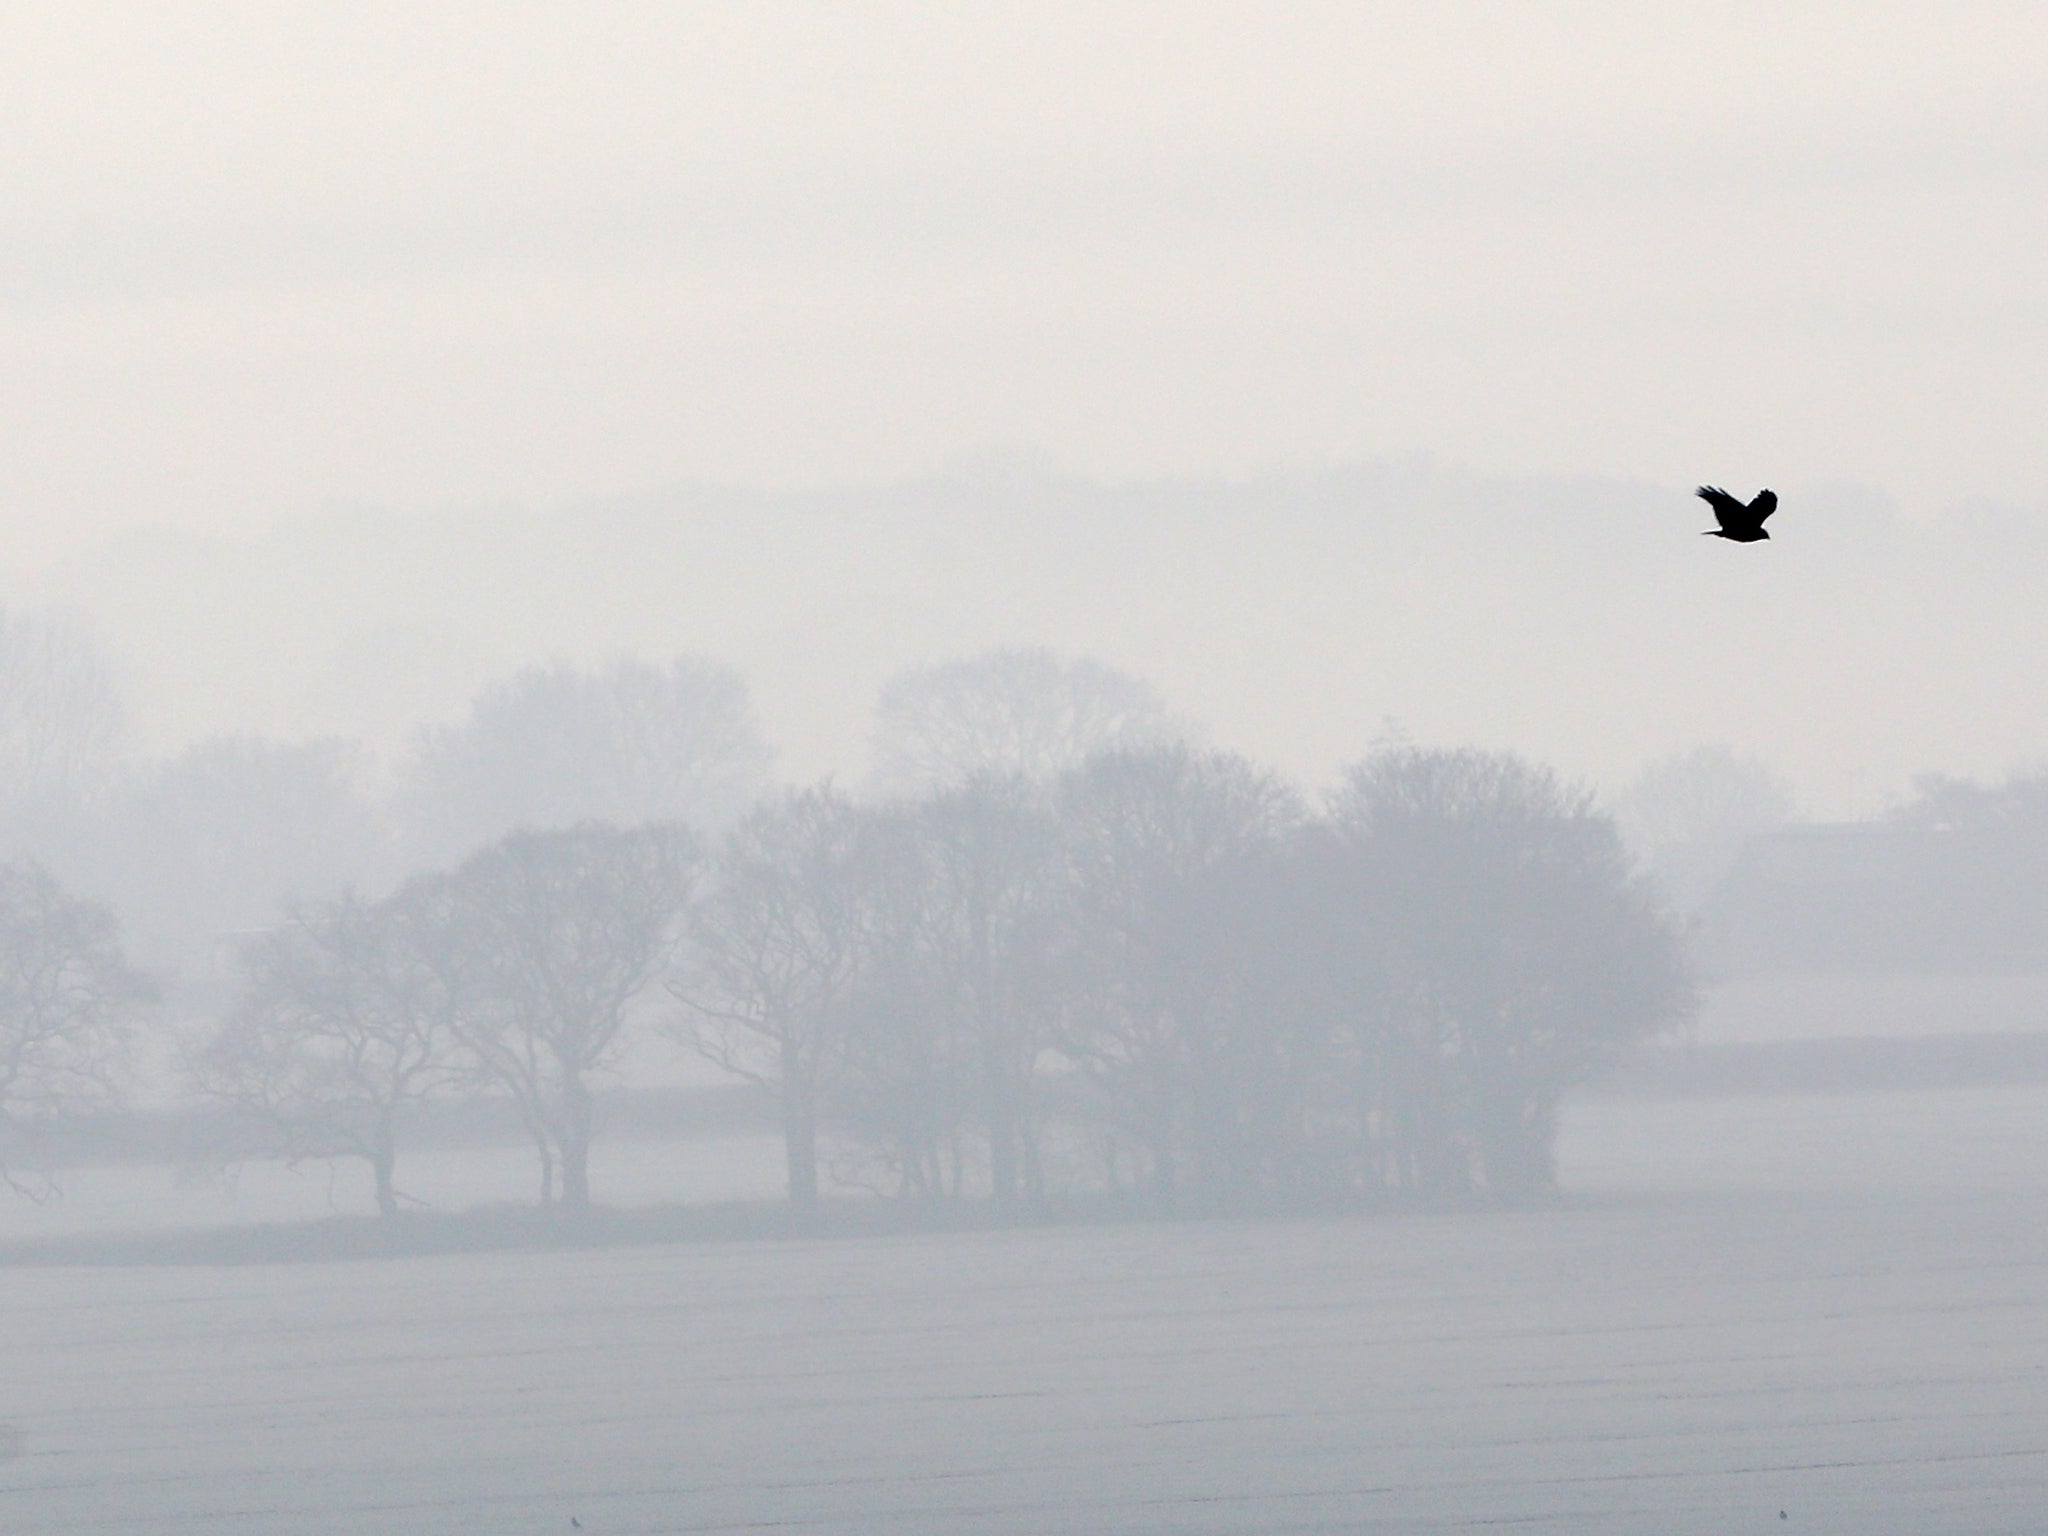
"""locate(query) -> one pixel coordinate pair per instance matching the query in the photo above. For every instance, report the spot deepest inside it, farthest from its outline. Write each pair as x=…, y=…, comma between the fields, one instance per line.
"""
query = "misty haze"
x=928, y=769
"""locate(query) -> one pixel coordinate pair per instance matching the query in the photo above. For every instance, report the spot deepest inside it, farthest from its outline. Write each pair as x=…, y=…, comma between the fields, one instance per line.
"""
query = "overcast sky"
x=262, y=262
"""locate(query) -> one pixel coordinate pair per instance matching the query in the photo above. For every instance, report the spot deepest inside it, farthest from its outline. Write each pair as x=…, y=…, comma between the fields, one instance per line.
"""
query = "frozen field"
x=1837, y=1308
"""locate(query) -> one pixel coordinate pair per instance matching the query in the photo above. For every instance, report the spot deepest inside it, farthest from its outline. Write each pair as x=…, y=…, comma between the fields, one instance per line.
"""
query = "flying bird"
x=1745, y=525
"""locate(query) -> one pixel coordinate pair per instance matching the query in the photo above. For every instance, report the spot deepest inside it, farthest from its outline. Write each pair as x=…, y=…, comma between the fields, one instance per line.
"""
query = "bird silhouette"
x=1745, y=525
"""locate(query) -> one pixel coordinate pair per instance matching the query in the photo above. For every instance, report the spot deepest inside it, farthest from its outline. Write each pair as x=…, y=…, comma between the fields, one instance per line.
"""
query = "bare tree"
x=346, y=1023
x=777, y=947
x=559, y=745
x=989, y=875
x=564, y=931
x=901, y=1098
x=1019, y=711
x=1147, y=833
x=67, y=995
x=1283, y=1093
x=1514, y=952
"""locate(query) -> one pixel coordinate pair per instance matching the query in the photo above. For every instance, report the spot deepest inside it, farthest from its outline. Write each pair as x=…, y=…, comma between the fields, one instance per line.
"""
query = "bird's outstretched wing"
x=1728, y=512
x=1765, y=504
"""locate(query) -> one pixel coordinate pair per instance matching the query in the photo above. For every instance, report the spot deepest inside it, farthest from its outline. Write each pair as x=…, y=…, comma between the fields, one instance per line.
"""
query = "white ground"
x=1837, y=1308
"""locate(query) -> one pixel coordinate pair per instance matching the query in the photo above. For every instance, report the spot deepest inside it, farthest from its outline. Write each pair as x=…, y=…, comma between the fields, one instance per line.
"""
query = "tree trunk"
x=1002, y=1139
x=574, y=1140
x=1162, y=1180
x=383, y=1161
x=544, y=1149
x=998, y=1097
x=799, y=1131
x=1028, y=1151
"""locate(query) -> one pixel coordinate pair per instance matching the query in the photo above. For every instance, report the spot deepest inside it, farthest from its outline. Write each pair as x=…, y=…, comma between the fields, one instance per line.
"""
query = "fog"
x=1292, y=614
x=974, y=769
x=265, y=262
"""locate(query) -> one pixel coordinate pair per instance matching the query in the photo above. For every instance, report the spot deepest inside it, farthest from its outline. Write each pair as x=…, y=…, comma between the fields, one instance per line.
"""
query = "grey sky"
x=261, y=262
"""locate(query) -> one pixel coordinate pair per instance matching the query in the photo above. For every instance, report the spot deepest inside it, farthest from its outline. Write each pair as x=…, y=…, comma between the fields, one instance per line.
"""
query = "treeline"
x=1159, y=973
x=198, y=845
x=1155, y=971
x=195, y=846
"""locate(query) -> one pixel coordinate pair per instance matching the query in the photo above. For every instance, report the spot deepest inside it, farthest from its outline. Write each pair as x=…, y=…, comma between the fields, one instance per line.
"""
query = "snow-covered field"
x=1833, y=1307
